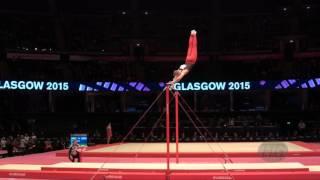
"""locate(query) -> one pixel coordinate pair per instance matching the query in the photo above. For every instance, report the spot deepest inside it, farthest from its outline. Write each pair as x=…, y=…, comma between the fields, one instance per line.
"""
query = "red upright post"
x=168, y=128
x=176, y=96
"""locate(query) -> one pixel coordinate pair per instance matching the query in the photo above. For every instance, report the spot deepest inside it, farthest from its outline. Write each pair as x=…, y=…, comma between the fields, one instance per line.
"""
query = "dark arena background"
x=90, y=82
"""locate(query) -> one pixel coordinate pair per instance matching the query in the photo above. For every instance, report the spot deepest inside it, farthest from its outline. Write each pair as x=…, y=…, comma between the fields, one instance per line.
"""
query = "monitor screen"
x=82, y=139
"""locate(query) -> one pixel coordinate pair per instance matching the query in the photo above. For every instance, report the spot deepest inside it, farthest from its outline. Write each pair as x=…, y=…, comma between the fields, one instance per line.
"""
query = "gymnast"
x=191, y=59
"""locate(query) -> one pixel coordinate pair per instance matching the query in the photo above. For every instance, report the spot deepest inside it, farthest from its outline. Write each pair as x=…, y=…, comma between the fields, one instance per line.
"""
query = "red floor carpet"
x=51, y=158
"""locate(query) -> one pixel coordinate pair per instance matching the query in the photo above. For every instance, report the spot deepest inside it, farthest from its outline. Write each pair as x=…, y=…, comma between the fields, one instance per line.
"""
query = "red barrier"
x=161, y=175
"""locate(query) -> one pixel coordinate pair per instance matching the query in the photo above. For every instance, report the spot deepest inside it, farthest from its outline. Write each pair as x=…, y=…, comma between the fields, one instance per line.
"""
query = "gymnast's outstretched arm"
x=180, y=75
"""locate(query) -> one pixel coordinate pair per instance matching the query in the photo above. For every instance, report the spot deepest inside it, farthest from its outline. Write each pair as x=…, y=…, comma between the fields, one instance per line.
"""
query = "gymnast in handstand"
x=191, y=59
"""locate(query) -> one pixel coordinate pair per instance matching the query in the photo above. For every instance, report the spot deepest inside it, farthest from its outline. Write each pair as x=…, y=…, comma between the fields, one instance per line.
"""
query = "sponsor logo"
x=222, y=178
x=17, y=174
x=113, y=177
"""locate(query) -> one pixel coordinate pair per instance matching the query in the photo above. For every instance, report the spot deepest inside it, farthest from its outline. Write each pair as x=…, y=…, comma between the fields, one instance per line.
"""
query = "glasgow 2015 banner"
x=136, y=86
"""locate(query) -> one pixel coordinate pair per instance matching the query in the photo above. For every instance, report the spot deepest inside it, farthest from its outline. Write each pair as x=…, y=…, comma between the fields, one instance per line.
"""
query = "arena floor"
x=202, y=147
x=302, y=163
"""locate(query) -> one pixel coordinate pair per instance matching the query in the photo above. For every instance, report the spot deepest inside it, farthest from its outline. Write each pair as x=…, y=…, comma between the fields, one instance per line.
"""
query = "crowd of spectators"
x=230, y=131
x=28, y=143
x=223, y=128
x=213, y=128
